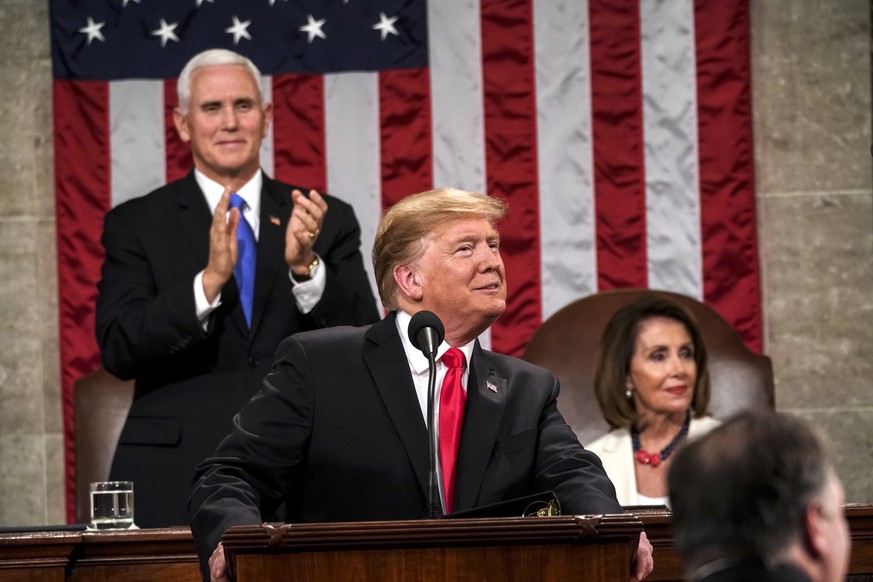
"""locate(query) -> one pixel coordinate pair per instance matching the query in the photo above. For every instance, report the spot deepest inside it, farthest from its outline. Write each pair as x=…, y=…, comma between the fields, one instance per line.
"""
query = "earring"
x=628, y=393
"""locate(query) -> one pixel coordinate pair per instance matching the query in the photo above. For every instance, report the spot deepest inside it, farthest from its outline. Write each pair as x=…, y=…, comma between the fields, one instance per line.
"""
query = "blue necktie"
x=244, y=270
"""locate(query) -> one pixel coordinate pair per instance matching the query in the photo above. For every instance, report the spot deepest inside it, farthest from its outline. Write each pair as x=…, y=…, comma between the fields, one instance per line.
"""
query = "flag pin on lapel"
x=275, y=220
x=491, y=387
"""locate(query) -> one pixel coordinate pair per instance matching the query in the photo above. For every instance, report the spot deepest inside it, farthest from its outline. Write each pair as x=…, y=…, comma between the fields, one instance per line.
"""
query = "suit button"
x=253, y=362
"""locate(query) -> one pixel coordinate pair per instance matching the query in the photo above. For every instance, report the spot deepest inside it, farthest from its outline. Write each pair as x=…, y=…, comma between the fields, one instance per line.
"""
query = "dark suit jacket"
x=190, y=382
x=751, y=570
x=338, y=434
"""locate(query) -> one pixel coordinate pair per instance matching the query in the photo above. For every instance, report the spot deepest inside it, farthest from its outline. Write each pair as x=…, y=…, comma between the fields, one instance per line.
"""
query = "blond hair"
x=402, y=233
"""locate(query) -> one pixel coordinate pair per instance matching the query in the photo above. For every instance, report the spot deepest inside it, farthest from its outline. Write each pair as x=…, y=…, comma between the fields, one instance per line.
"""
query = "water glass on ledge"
x=112, y=505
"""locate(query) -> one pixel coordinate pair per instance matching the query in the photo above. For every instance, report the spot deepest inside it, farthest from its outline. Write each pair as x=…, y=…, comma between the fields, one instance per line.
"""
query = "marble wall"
x=31, y=441
x=814, y=174
x=812, y=122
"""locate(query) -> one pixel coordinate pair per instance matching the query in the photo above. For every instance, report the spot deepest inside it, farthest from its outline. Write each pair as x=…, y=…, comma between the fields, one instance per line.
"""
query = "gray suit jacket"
x=337, y=433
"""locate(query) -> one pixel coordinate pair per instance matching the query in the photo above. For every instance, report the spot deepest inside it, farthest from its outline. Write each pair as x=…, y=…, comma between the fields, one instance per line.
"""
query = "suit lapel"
x=390, y=370
x=275, y=212
x=194, y=217
x=486, y=401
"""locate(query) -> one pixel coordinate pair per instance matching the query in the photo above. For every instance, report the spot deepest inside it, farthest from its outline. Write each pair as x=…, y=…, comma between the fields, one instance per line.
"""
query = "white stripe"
x=564, y=152
x=457, y=108
x=456, y=94
x=267, y=142
x=351, y=112
x=136, y=138
x=671, y=160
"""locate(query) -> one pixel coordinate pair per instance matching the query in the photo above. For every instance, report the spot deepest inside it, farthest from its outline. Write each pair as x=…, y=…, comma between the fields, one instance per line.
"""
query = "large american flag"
x=619, y=131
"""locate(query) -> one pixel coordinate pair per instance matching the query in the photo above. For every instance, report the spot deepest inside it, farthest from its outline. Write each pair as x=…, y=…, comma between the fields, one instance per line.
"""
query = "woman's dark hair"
x=617, y=349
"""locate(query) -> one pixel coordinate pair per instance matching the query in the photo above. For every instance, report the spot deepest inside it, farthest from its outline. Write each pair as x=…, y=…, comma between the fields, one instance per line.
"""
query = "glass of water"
x=112, y=505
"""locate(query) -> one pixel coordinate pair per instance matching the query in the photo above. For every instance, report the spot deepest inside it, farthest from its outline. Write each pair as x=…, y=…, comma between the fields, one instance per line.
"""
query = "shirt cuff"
x=201, y=305
x=308, y=293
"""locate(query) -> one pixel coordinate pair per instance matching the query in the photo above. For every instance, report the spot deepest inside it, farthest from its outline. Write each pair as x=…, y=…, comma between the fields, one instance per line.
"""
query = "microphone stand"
x=434, y=510
x=426, y=332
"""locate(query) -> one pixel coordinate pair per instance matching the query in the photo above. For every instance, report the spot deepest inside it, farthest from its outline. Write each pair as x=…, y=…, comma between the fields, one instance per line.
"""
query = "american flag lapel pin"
x=491, y=387
x=275, y=220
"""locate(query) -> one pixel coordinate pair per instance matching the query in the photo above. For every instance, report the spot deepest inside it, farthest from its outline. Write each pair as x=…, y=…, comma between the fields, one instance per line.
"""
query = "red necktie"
x=452, y=399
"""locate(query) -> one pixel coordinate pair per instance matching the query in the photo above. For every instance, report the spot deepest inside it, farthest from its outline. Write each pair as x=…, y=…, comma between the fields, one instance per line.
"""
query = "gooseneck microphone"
x=426, y=332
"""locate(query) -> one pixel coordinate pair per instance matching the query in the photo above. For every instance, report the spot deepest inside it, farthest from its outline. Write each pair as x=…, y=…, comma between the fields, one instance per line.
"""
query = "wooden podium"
x=501, y=548
x=590, y=548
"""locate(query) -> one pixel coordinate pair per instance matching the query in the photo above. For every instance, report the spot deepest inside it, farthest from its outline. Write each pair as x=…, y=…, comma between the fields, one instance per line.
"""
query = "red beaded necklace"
x=654, y=459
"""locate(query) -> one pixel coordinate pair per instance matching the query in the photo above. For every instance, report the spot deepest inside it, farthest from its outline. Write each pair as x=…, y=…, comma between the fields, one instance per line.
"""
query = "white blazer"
x=615, y=450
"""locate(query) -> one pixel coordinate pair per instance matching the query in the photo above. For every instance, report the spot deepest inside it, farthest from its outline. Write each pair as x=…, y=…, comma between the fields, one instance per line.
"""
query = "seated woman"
x=652, y=385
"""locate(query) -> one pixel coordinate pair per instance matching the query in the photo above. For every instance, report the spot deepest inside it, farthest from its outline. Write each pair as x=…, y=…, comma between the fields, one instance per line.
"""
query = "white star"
x=93, y=30
x=274, y=1
x=386, y=26
x=166, y=32
x=199, y=2
x=238, y=30
x=124, y=3
x=313, y=28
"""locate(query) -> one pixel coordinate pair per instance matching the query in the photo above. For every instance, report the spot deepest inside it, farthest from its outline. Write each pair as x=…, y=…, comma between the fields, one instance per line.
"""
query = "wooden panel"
x=36, y=556
x=658, y=529
x=861, y=527
x=38, y=574
x=506, y=563
x=157, y=555
x=591, y=548
x=154, y=555
x=135, y=572
x=502, y=549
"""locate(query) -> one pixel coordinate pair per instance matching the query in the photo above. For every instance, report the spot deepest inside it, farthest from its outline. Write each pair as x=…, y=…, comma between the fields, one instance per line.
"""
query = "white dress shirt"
x=306, y=293
x=419, y=370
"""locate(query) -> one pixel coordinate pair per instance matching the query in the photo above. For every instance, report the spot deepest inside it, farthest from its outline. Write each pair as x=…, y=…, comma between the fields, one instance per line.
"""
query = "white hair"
x=210, y=58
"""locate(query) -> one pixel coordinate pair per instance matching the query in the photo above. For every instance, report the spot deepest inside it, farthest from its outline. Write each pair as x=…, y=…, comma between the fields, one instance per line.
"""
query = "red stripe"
x=405, y=133
x=617, y=134
x=730, y=249
x=179, y=159
x=83, y=196
x=509, y=95
x=298, y=130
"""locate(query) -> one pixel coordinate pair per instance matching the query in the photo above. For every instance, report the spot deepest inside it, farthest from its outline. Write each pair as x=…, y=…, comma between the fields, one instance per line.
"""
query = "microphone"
x=426, y=332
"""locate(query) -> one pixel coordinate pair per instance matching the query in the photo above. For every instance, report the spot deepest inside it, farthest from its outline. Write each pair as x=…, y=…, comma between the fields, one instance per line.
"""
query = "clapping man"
x=205, y=276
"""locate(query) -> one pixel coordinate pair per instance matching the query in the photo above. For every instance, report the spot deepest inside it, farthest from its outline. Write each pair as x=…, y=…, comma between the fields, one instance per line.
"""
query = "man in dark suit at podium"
x=193, y=314
x=338, y=431
x=758, y=499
